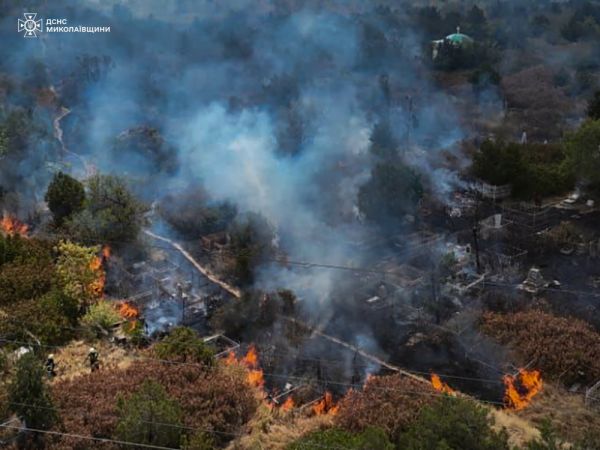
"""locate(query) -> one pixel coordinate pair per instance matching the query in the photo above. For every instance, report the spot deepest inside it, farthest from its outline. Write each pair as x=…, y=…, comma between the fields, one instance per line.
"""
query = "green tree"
x=149, y=416
x=453, y=423
x=3, y=142
x=477, y=25
x=251, y=242
x=383, y=142
x=393, y=191
x=111, y=213
x=65, y=196
x=583, y=150
x=593, y=110
x=28, y=396
x=79, y=272
x=370, y=439
x=183, y=344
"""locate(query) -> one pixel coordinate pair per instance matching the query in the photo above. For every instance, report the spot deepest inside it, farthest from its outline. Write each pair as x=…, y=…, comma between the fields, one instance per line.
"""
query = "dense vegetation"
x=563, y=348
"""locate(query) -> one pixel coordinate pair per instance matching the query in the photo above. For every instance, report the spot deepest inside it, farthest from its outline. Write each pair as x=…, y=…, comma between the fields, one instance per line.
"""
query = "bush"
x=582, y=148
x=564, y=348
x=453, y=423
x=47, y=319
x=24, y=281
x=79, y=272
x=149, y=417
x=534, y=170
x=218, y=399
x=28, y=397
x=101, y=316
x=388, y=402
x=392, y=192
x=183, y=344
x=370, y=439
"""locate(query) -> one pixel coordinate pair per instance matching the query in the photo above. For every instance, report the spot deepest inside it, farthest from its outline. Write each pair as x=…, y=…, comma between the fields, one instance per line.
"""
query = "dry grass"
x=519, y=430
x=71, y=359
x=567, y=412
x=275, y=430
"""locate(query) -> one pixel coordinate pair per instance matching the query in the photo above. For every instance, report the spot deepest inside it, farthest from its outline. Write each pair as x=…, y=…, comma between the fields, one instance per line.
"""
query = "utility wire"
x=338, y=363
x=90, y=438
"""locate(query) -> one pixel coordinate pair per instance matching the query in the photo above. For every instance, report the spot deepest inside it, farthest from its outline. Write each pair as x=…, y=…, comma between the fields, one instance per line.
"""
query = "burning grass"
x=440, y=386
x=11, y=226
x=326, y=405
x=254, y=376
x=521, y=388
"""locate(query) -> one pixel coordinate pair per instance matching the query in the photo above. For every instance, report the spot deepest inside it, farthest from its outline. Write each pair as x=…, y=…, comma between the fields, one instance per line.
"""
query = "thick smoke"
x=268, y=105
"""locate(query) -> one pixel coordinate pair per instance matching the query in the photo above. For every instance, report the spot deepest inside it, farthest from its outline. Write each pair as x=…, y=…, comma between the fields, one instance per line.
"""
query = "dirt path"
x=203, y=270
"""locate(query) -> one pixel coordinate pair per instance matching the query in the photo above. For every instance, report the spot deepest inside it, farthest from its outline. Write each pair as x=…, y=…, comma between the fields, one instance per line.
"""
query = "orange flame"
x=326, y=405
x=440, y=386
x=251, y=358
x=97, y=286
x=521, y=388
x=250, y=362
x=288, y=404
x=230, y=358
x=128, y=311
x=12, y=226
x=255, y=373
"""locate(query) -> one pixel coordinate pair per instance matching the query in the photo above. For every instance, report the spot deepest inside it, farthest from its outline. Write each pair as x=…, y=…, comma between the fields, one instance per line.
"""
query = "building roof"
x=459, y=38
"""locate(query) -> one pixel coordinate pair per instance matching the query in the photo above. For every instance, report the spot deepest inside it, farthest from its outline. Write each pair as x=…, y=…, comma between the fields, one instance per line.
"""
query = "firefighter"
x=50, y=366
x=94, y=359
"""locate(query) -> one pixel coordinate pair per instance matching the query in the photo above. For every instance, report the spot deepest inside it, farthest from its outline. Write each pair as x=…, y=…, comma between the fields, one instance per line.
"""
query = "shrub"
x=218, y=399
x=388, y=402
x=183, y=344
x=452, y=423
x=370, y=439
x=149, y=417
x=101, y=316
x=45, y=319
x=28, y=397
x=564, y=348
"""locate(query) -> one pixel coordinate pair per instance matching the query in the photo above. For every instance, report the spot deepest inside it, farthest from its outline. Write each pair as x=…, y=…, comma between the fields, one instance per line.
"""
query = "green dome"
x=459, y=38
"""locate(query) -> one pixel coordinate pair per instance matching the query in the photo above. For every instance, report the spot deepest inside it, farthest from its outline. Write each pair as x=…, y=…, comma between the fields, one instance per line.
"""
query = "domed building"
x=457, y=39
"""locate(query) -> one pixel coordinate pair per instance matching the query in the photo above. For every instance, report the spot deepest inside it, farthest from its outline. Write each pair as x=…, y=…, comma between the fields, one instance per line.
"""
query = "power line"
x=312, y=264
x=90, y=438
x=290, y=377
x=330, y=361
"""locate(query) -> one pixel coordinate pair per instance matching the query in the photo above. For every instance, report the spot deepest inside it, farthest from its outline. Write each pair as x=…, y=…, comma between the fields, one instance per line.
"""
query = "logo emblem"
x=30, y=26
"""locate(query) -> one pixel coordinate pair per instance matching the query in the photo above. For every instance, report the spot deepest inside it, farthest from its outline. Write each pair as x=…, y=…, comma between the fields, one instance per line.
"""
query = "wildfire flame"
x=128, y=311
x=326, y=405
x=12, y=226
x=440, y=386
x=250, y=362
x=521, y=388
x=288, y=404
x=97, y=286
x=230, y=359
